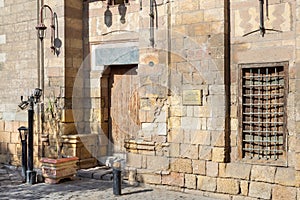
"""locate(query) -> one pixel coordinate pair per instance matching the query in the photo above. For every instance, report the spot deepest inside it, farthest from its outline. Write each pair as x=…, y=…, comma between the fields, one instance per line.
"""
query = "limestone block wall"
x=188, y=76
x=104, y=39
x=193, y=154
x=18, y=65
x=21, y=61
x=265, y=181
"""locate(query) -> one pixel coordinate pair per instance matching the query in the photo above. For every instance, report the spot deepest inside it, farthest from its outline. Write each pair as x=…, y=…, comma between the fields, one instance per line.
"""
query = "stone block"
x=12, y=149
x=205, y=152
x=207, y=4
x=175, y=122
x=297, y=161
x=212, y=169
x=228, y=186
x=190, y=123
x=190, y=181
x=174, y=149
x=9, y=126
x=235, y=170
x=151, y=178
x=4, y=158
x=189, y=109
x=193, y=17
x=260, y=190
x=2, y=37
x=157, y=163
x=244, y=185
x=218, y=154
x=217, y=139
x=243, y=198
x=189, y=151
x=281, y=192
x=181, y=165
x=155, y=128
x=15, y=138
x=176, y=136
x=134, y=160
x=199, y=137
x=285, y=176
x=177, y=111
x=174, y=179
x=216, y=123
x=263, y=173
x=188, y=5
x=5, y=137
x=2, y=57
x=3, y=147
x=206, y=183
x=199, y=167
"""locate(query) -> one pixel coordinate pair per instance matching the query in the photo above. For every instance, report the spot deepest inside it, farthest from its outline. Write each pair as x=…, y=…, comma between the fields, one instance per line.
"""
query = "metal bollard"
x=24, y=160
x=117, y=179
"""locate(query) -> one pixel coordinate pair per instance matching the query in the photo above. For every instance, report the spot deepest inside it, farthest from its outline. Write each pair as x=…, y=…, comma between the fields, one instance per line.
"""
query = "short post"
x=117, y=178
x=23, y=136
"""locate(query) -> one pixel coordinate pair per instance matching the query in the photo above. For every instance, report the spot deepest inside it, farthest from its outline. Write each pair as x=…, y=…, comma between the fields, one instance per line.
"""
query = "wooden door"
x=123, y=106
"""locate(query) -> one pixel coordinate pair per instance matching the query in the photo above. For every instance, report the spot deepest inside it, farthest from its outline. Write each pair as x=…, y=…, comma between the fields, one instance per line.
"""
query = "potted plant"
x=57, y=167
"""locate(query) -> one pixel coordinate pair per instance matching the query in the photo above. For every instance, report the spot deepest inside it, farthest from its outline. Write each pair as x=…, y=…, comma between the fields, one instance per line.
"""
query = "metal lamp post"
x=34, y=98
x=23, y=131
x=41, y=27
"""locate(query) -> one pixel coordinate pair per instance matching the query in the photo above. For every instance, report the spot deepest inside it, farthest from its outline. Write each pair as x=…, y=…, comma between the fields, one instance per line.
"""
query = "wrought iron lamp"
x=41, y=27
x=122, y=11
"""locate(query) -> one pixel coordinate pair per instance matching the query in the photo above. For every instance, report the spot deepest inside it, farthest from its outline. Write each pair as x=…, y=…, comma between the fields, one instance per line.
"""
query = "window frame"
x=282, y=161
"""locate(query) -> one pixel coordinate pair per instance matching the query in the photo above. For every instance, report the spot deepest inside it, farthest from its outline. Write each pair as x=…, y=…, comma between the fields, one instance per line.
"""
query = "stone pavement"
x=11, y=187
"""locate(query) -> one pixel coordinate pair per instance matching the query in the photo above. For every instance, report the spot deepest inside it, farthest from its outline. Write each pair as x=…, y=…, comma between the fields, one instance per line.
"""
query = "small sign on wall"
x=192, y=97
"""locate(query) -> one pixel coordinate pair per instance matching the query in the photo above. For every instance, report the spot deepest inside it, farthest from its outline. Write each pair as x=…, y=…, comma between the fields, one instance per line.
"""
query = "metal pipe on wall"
x=40, y=111
x=151, y=23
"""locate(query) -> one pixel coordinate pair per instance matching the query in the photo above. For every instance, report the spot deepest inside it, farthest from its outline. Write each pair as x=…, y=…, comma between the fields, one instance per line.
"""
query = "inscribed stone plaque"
x=192, y=97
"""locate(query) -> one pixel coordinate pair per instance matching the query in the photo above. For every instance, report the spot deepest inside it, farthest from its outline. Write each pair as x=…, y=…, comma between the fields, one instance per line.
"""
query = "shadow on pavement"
x=138, y=191
x=42, y=190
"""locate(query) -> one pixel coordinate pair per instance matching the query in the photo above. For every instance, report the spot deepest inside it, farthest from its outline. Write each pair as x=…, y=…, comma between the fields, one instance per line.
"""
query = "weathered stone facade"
x=162, y=94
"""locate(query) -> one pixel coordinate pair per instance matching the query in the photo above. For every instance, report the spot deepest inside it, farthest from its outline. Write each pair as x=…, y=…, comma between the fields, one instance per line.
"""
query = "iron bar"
x=262, y=112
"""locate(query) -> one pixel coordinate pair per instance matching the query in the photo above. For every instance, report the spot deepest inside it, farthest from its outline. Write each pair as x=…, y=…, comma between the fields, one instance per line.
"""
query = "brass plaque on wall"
x=192, y=97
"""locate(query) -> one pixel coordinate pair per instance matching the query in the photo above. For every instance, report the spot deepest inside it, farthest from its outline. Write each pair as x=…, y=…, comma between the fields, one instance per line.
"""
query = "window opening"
x=263, y=112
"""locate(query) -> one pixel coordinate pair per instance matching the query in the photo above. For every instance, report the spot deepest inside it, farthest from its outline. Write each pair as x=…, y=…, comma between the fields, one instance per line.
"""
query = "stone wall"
x=23, y=59
x=18, y=40
x=276, y=45
x=187, y=135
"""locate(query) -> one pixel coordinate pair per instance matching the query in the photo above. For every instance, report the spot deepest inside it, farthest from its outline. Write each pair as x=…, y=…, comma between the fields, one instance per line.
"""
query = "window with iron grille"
x=263, y=89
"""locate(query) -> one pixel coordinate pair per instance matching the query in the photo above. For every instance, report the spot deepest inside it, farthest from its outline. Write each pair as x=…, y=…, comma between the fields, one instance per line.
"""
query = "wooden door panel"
x=124, y=106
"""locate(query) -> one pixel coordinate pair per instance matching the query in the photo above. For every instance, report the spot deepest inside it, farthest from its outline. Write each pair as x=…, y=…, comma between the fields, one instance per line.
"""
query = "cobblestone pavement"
x=11, y=187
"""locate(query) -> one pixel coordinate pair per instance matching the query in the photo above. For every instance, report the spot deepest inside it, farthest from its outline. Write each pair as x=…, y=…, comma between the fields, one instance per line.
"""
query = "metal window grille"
x=263, y=112
x=117, y=2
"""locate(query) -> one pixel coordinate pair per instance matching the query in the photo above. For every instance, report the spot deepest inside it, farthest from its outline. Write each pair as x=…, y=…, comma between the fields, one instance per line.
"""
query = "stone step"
x=99, y=173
